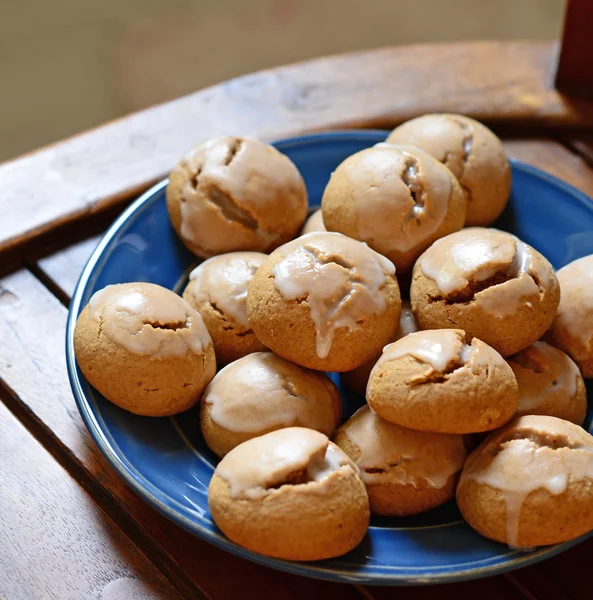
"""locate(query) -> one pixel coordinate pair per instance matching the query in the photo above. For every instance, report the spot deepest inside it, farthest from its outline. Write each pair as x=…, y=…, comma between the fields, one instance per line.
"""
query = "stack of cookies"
x=458, y=364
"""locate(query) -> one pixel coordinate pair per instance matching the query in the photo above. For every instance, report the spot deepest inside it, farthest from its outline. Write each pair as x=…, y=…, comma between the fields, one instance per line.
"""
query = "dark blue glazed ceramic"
x=166, y=460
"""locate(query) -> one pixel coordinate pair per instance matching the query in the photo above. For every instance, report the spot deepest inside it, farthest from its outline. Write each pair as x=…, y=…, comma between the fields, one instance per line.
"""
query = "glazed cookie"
x=488, y=283
x=549, y=383
x=406, y=472
x=572, y=330
x=314, y=223
x=290, y=494
x=144, y=348
x=233, y=193
x=217, y=289
x=398, y=199
x=530, y=484
x=261, y=393
x=443, y=381
x=473, y=154
x=324, y=301
x=357, y=379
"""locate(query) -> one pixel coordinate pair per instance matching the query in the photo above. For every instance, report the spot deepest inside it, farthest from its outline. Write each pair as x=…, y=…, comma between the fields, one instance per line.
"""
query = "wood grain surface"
x=89, y=173
x=56, y=542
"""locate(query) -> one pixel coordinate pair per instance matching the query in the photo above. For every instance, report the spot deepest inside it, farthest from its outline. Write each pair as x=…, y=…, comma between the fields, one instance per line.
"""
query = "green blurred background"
x=67, y=65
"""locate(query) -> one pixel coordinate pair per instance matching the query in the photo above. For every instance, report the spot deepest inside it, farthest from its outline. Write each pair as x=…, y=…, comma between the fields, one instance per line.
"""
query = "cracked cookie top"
x=388, y=453
x=263, y=391
x=340, y=279
x=148, y=319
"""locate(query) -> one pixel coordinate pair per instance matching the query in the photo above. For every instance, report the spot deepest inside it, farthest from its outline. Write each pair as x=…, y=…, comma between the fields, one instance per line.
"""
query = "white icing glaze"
x=314, y=223
x=544, y=374
x=407, y=321
x=148, y=319
x=223, y=281
x=340, y=278
x=256, y=467
x=261, y=391
x=404, y=456
x=575, y=313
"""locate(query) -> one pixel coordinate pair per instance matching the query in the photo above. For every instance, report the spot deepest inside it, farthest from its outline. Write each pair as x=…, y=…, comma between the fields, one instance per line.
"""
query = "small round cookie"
x=290, y=494
x=572, y=329
x=261, y=393
x=443, y=381
x=398, y=199
x=235, y=193
x=488, y=283
x=357, y=379
x=473, y=154
x=406, y=472
x=217, y=289
x=324, y=301
x=144, y=348
x=530, y=484
x=314, y=223
x=549, y=383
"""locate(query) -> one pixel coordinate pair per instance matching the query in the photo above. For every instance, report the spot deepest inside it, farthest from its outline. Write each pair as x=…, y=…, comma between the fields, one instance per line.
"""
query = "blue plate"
x=166, y=460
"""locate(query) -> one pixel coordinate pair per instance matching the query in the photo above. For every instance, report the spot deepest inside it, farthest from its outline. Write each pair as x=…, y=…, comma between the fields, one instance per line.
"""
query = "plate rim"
x=308, y=569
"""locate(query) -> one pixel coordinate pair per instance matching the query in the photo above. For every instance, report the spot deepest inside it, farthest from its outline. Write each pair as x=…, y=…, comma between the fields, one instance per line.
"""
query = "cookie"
x=572, y=329
x=472, y=152
x=290, y=494
x=324, y=301
x=443, y=381
x=488, y=283
x=261, y=393
x=397, y=199
x=217, y=289
x=144, y=348
x=314, y=223
x=530, y=484
x=549, y=383
x=357, y=379
x=234, y=193
x=406, y=472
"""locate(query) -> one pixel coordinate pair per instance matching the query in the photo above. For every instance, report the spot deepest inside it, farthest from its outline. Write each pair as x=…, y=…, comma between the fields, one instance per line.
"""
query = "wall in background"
x=67, y=65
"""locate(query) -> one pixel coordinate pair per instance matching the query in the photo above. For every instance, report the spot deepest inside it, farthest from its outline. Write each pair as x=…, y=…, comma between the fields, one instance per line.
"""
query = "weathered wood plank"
x=94, y=171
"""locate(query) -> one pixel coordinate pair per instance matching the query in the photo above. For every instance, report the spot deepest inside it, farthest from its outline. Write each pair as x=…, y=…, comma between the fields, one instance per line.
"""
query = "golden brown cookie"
x=572, y=329
x=357, y=379
x=217, y=289
x=314, y=223
x=549, y=383
x=261, y=393
x=324, y=301
x=290, y=494
x=233, y=193
x=473, y=154
x=406, y=472
x=443, y=381
x=488, y=283
x=144, y=348
x=531, y=483
x=397, y=199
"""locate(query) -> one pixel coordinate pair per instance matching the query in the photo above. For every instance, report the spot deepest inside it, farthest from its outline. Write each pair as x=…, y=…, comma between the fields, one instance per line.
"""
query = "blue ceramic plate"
x=166, y=460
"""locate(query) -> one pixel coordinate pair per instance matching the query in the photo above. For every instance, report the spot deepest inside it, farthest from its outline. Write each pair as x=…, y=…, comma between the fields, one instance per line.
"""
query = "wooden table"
x=70, y=528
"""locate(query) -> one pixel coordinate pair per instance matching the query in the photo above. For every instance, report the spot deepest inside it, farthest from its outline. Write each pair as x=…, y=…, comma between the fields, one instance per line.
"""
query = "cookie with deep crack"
x=572, y=329
x=290, y=494
x=324, y=301
x=397, y=199
x=443, y=381
x=530, y=484
x=473, y=153
x=144, y=348
x=406, y=472
x=217, y=289
x=488, y=283
x=550, y=383
x=314, y=223
x=261, y=393
x=235, y=193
